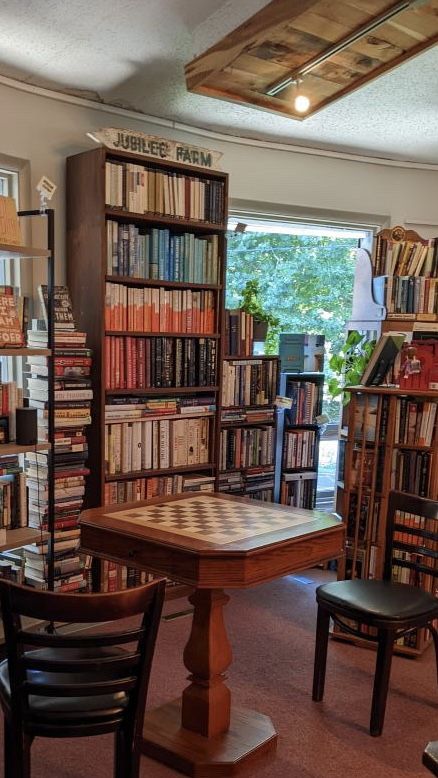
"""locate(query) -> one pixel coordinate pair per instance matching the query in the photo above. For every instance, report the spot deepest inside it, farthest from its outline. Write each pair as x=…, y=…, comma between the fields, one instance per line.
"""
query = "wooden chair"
x=430, y=757
x=81, y=684
x=393, y=609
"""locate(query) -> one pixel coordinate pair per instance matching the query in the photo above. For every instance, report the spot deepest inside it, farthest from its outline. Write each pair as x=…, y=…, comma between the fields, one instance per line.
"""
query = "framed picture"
x=4, y=429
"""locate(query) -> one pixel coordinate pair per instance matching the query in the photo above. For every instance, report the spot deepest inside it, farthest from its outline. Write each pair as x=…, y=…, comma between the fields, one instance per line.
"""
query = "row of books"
x=363, y=519
x=116, y=577
x=262, y=415
x=161, y=254
x=415, y=422
x=145, y=189
x=417, y=523
x=251, y=382
x=13, y=498
x=411, y=471
x=305, y=398
x=11, y=398
x=407, y=566
x=298, y=490
x=161, y=486
x=258, y=484
x=299, y=449
x=405, y=257
x=156, y=444
x=148, y=310
x=127, y=408
x=238, y=333
x=246, y=447
x=141, y=363
x=408, y=295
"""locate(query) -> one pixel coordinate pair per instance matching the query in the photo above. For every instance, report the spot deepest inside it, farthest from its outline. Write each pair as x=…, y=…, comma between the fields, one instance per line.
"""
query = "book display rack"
x=247, y=425
x=298, y=439
x=146, y=255
x=18, y=531
x=389, y=439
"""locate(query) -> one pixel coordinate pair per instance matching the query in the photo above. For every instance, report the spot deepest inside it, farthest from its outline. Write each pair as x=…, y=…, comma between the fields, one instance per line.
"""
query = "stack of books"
x=73, y=395
x=239, y=333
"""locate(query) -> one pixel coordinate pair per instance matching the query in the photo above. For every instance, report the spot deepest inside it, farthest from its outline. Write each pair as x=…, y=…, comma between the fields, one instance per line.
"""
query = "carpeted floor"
x=272, y=634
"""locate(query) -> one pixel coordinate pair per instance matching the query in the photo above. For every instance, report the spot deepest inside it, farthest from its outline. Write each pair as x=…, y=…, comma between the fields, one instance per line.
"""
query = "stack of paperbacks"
x=73, y=395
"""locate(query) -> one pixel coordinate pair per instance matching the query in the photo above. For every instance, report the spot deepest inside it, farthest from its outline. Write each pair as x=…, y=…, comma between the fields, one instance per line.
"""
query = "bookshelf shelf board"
x=389, y=390
x=127, y=333
x=301, y=426
x=15, y=538
x=287, y=470
x=248, y=408
x=25, y=352
x=153, y=473
x=237, y=423
x=15, y=448
x=412, y=447
x=258, y=470
x=28, y=252
x=231, y=357
x=167, y=221
x=130, y=280
x=159, y=417
x=170, y=390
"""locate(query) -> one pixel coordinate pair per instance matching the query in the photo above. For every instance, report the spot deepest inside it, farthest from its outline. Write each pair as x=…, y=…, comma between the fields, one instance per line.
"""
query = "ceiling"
x=132, y=54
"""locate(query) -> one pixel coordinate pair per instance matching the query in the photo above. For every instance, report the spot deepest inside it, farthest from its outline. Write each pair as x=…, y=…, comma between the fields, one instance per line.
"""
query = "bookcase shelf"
x=298, y=440
x=165, y=221
x=22, y=536
x=25, y=352
x=195, y=249
x=23, y=252
x=165, y=471
x=391, y=443
x=15, y=448
x=132, y=281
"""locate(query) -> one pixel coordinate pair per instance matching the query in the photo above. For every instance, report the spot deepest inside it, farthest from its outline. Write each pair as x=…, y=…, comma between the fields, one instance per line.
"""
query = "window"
x=306, y=274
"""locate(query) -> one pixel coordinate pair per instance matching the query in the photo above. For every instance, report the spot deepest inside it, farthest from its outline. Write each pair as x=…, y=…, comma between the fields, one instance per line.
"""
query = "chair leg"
x=126, y=755
x=381, y=681
x=7, y=749
x=434, y=633
x=321, y=641
x=17, y=753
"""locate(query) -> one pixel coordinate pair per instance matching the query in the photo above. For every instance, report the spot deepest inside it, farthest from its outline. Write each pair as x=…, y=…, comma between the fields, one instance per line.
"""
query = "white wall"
x=45, y=131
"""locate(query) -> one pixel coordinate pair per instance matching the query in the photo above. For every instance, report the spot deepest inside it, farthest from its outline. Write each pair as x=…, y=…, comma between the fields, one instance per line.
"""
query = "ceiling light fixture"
x=301, y=101
x=341, y=45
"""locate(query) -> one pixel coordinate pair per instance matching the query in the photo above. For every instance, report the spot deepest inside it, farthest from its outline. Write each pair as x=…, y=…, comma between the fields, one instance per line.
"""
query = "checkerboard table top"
x=212, y=520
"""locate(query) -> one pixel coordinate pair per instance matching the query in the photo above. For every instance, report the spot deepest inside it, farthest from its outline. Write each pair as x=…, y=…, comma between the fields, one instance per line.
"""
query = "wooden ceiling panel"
x=288, y=35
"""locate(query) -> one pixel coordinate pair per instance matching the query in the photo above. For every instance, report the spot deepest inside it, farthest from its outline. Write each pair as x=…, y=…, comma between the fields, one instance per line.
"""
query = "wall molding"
x=204, y=133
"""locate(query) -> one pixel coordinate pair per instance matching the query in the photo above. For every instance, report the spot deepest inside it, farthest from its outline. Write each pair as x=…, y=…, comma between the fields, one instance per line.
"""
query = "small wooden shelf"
x=159, y=282
x=29, y=252
x=393, y=390
x=153, y=473
x=14, y=448
x=25, y=352
x=237, y=423
x=15, y=538
x=172, y=390
x=127, y=333
x=246, y=356
x=159, y=417
x=169, y=221
x=410, y=447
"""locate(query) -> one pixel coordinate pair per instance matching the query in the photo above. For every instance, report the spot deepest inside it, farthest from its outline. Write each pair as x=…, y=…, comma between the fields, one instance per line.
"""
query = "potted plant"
x=349, y=364
x=251, y=304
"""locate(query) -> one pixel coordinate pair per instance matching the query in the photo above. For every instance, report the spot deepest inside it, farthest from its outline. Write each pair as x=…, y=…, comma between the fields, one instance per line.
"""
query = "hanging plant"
x=252, y=304
x=349, y=364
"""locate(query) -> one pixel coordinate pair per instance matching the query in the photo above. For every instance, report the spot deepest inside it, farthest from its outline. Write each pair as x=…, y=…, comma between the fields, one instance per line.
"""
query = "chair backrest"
x=118, y=670
x=412, y=539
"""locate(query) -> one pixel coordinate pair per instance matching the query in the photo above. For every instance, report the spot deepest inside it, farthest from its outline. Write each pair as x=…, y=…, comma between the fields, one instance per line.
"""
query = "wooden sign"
x=10, y=233
x=157, y=148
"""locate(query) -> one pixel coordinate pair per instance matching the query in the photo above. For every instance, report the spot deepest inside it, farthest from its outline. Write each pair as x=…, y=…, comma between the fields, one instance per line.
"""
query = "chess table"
x=211, y=542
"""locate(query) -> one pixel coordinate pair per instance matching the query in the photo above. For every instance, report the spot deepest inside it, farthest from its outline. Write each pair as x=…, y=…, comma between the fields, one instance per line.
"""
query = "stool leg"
x=381, y=680
x=321, y=640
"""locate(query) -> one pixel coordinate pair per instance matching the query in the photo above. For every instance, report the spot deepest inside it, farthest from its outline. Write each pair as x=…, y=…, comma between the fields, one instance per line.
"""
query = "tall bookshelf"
x=298, y=439
x=16, y=532
x=147, y=286
x=389, y=438
x=247, y=426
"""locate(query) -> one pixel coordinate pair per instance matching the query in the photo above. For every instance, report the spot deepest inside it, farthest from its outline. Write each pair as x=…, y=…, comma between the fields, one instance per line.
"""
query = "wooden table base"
x=250, y=735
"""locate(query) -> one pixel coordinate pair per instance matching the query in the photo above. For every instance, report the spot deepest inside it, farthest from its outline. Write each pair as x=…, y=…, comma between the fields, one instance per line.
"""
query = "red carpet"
x=272, y=633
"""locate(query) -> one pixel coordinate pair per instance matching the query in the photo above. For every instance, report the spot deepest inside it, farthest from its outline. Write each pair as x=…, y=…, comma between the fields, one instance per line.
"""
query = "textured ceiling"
x=132, y=54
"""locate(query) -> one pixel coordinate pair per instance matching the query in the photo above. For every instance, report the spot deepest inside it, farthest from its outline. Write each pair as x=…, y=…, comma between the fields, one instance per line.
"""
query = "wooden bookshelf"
x=381, y=449
x=25, y=352
x=297, y=465
x=22, y=536
x=92, y=221
x=12, y=252
x=257, y=378
x=14, y=448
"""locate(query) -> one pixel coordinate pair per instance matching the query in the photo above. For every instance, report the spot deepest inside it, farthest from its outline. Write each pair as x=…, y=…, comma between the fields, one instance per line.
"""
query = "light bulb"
x=301, y=103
